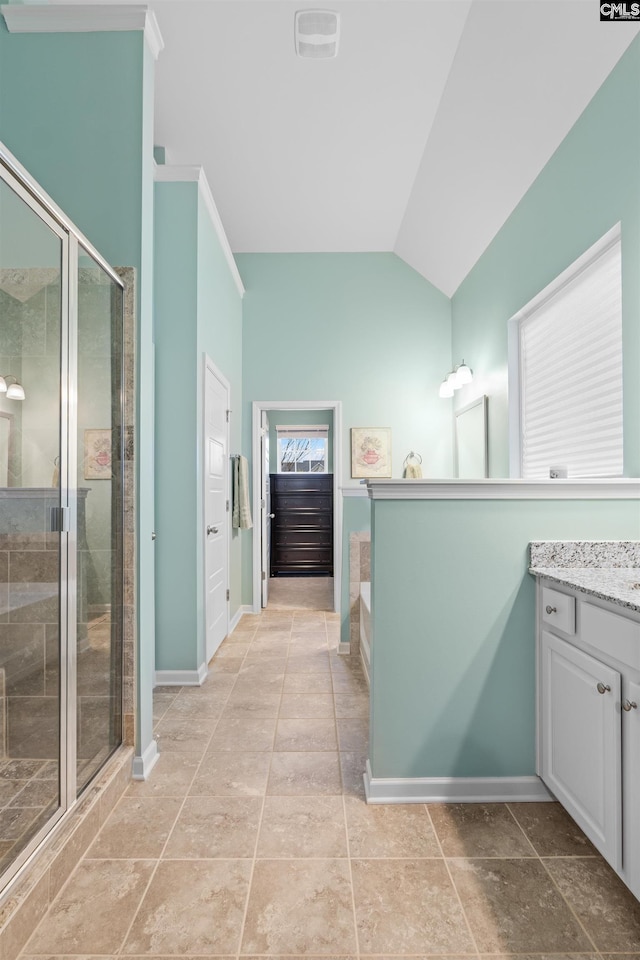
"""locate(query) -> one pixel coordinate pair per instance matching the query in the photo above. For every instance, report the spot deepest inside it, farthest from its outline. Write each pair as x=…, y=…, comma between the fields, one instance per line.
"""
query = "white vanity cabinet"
x=589, y=719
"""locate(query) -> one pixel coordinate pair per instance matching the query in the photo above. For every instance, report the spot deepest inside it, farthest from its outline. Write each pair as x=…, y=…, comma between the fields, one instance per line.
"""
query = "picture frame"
x=97, y=455
x=370, y=452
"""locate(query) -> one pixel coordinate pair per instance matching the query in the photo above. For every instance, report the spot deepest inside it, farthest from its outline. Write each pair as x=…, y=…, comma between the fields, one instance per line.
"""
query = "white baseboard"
x=240, y=612
x=142, y=766
x=454, y=789
x=181, y=678
x=365, y=664
x=344, y=648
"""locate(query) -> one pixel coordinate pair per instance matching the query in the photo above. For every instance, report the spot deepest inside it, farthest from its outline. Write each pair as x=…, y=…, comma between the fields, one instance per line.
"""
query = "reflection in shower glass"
x=30, y=325
x=99, y=637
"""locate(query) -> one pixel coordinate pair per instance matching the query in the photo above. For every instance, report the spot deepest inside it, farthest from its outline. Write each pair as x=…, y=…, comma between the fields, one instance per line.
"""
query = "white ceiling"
x=420, y=137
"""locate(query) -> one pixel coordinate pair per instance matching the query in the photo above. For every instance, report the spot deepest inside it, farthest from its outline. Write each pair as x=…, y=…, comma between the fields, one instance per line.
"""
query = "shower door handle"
x=58, y=520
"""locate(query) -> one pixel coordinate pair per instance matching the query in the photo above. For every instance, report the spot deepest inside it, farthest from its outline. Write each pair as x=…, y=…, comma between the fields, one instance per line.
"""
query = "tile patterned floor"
x=252, y=839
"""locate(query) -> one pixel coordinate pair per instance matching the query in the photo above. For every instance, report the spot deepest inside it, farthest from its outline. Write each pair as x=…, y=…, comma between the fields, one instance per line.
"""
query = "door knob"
x=272, y=515
x=211, y=530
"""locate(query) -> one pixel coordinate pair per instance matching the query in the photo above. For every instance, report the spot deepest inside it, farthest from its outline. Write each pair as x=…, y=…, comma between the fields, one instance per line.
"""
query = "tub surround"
x=606, y=569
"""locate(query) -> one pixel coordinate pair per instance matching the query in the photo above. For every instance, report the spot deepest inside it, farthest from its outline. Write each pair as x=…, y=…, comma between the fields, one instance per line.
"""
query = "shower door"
x=61, y=514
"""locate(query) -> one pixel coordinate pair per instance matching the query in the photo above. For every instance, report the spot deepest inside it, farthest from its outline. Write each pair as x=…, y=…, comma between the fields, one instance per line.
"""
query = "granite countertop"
x=607, y=569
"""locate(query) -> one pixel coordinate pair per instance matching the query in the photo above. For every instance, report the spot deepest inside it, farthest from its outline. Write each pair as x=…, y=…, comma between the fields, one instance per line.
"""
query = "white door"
x=265, y=503
x=216, y=517
x=582, y=742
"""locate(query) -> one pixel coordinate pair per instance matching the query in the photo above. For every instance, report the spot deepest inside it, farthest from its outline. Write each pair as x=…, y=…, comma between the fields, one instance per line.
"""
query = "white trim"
x=142, y=766
x=365, y=665
x=336, y=406
x=84, y=18
x=208, y=364
x=165, y=173
x=454, y=789
x=238, y=615
x=620, y=488
x=344, y=648
x=181, y=678
x=354, y=491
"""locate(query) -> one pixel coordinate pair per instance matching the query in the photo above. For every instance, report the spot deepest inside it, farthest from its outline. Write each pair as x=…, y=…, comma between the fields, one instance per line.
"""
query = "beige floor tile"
x=266, y=682
x=306, y=705
x=352, y=768
x=478, y=830
x=513, y=907
x=190, y=708
x=213, y=827
x=137, y=829
x=306, y=735
x=221, y=666
x=251, y=735
x=302, y=827
x=308, y=663
x=161, y=703
x=407, y=907
x=300, y=907
x=352, y=705
x=551, y=830
x=304, y=774
x=307, y=683
x=183, y=733
x=191, y=906
x=308, y=644
x=350, y=684
x=226, y=651
x=273, y=650
x=353, y=735
x=214, y=685
x=259, y=703
x=255, y=669
x=389, y=830
x=232, y=774
x=606, y=908
x=544, y=956
x=94, y=910
x=170, y=777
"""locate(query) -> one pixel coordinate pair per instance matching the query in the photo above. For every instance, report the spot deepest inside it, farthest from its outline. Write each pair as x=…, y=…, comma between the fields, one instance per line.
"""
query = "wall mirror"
x=471, y=458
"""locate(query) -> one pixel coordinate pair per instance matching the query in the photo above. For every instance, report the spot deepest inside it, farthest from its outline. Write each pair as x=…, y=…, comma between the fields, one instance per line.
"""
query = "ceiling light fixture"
x=317, y=33
x=13, y=390
x=459, y=377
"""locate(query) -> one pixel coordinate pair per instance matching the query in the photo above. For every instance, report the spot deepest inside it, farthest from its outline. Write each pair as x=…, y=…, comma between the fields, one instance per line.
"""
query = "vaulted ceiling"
x=419, y=138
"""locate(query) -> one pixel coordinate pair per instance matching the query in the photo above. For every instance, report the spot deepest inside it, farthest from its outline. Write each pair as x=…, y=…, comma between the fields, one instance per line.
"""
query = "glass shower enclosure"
x=61, y=514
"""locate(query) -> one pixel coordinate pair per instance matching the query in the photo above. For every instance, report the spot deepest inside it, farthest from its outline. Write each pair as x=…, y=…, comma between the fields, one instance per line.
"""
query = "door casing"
x=258, y=406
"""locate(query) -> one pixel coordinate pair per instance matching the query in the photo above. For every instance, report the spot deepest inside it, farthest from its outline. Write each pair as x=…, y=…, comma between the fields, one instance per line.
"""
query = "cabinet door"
x=631, y=766
x=582, y=741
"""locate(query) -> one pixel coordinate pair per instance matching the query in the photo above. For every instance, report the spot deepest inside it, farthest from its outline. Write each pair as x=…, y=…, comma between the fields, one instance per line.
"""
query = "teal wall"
x=364, y=329
x=589, y=185
x=453, y=654
x=198, y=310
x=77, y=111
x=283, y=418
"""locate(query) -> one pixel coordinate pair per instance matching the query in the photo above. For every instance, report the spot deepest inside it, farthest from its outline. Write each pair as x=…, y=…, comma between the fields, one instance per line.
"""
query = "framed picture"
x=370, y=452
x=97, y=455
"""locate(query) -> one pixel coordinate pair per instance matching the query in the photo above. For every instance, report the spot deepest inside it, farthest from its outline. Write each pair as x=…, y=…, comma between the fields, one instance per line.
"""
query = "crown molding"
x=612, y=489
x=167, y=173
x=83, y=18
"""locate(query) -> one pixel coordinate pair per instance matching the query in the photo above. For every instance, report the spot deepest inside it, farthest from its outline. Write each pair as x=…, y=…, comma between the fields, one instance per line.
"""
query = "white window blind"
x=571, y=372
x=301, y=433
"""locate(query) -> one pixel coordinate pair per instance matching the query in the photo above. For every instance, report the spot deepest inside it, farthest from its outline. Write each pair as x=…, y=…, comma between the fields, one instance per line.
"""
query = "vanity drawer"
x=614, y=635
x=559, y=610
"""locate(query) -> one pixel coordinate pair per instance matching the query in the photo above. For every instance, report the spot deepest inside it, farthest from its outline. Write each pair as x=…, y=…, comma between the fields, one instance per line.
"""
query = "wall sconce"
x=459, y=376
x=13, y=390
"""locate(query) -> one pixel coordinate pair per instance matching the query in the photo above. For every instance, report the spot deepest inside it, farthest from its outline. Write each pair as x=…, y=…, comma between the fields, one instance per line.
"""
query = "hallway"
x=252, y=838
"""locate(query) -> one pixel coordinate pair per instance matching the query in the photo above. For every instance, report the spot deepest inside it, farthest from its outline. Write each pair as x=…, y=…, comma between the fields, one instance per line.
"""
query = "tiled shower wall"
x=359, y=572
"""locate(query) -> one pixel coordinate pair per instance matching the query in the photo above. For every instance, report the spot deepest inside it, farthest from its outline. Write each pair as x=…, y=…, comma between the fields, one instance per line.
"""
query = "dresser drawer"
x=300, y=520
x=559, y=610
x=305, y=538
x=302, y=501
x=615, y=635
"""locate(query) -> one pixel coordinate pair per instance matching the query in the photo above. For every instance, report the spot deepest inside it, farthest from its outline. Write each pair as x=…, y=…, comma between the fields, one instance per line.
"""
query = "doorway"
x=216, y=506
x=263, y=509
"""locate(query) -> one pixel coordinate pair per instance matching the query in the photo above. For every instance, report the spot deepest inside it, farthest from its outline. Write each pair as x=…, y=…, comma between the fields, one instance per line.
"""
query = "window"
x=303, y=449
x=566, y=371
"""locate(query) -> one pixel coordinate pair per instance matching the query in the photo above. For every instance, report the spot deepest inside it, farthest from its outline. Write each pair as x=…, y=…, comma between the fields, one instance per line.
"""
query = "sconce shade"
x=452, y=379
x=3, y=385
x=446, y=389
x=464, y=374
x=15, y=392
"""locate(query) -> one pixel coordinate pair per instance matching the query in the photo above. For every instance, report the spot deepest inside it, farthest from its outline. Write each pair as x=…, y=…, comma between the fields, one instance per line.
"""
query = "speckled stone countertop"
x=608, y=569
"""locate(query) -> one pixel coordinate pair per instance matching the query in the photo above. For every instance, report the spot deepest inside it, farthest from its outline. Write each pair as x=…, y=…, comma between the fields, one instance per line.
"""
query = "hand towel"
x=413, y=471
x=241, y=510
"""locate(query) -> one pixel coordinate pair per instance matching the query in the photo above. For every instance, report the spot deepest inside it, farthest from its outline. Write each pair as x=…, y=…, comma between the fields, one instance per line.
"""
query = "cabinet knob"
x=550, y=609
x=603, y=688
x=211, y=530
x=629, y=705
x=271, y=516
